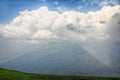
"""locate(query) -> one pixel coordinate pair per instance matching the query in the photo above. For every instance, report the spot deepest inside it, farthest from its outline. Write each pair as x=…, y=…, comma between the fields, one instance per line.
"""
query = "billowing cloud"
x=42, y=24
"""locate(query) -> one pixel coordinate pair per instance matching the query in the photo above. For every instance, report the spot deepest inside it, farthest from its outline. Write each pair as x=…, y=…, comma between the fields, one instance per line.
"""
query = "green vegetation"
x=15, y=75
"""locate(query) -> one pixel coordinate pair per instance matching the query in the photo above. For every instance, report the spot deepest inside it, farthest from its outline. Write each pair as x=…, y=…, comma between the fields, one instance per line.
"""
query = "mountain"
x=109, y=53
x=60, y=58
x=115, y=56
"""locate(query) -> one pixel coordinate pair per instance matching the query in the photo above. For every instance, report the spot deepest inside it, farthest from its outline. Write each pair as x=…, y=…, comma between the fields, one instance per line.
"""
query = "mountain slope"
x=62, y=58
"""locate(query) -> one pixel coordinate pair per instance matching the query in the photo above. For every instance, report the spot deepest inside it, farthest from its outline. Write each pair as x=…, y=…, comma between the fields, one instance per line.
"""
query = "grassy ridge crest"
x=6, y=74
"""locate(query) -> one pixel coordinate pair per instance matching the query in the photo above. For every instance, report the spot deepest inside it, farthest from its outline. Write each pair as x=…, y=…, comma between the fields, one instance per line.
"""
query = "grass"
x=16, y=75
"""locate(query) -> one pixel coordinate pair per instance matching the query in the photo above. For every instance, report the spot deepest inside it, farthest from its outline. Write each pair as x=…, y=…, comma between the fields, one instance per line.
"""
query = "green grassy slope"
x=15, y=75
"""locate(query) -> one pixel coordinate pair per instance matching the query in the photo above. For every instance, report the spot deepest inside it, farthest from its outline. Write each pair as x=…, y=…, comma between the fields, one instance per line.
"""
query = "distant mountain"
x=109, y=53
x=62, y=58
x=114, y=54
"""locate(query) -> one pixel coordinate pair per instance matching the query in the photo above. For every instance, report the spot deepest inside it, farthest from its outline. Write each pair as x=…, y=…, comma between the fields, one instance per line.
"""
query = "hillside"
x=16, y=75
x=60, y=58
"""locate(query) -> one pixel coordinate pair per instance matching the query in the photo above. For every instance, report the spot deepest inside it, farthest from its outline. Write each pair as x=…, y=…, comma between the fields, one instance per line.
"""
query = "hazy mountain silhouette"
x=64, y=58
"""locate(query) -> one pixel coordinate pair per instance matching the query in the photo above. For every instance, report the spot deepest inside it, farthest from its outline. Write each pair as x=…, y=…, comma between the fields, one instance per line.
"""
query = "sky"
x=93, y=24
x=57, y=19
x=9, y=9
x=77, y=20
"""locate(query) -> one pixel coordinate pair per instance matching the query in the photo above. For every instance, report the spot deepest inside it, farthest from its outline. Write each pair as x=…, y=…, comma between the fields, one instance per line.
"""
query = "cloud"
x=101, y=3
x=43, y=0
x=61, y=9
x=43, y=24
x=56, y=3
x=114, y=27
x=79, y=7
x=109, y=2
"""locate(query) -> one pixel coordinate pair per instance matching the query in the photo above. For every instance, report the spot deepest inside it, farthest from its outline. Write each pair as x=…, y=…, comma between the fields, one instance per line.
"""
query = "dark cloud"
x=114, y=27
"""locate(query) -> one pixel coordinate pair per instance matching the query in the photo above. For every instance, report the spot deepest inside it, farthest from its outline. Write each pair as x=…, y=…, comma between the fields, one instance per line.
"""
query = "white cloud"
x=108, y=2
x=79, y=7
x=43, y=24
x=101, y=3
x=61, y=9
